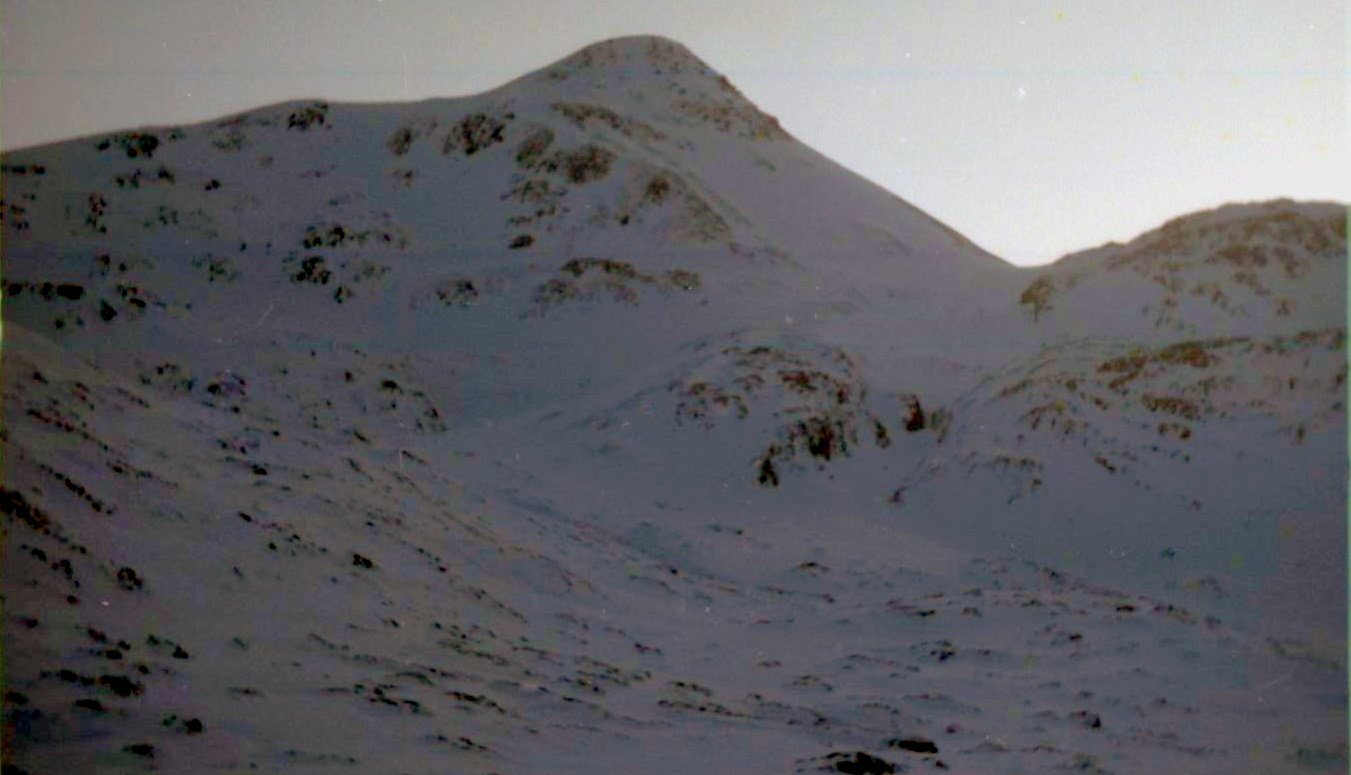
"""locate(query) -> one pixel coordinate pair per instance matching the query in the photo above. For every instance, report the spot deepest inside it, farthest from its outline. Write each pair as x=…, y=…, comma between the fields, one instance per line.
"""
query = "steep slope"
x=594, y=423
x=629, y=181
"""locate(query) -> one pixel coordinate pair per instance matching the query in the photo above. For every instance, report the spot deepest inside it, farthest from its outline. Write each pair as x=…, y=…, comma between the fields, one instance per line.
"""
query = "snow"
x=410, y=493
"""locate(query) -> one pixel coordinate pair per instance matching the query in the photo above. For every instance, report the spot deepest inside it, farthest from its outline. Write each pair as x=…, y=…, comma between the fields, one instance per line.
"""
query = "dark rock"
x=913, y=744
x=858, y=763
x=12, y=502
x=768, y=476
x=129, y=580
x=914, y=415
x=119, y=684
x=141, y=749
x=1087, y=718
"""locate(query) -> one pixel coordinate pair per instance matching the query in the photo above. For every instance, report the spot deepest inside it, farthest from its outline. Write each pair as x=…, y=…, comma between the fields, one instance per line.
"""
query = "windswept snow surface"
x=594, y=424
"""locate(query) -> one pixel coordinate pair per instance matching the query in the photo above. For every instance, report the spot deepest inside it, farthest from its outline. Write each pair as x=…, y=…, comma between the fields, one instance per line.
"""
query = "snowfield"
x=595, y=424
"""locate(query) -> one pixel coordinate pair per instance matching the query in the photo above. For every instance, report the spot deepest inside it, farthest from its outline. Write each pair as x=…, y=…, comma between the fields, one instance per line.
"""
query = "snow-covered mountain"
x=1240, y=269
x=596, y=424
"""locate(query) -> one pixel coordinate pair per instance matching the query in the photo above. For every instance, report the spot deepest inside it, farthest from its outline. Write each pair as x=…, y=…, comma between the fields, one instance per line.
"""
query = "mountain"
x=1239, y=269
x=594, y=423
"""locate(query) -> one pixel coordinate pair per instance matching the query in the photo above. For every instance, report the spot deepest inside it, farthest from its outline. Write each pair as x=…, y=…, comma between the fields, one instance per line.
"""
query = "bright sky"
x=1035, y=127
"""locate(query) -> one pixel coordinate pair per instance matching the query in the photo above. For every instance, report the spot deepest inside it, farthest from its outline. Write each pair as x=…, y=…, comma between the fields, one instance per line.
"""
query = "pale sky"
x=1034, y=127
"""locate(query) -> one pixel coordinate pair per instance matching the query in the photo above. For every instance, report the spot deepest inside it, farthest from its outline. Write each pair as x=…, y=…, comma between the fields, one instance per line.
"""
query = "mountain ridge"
x=1228, y=258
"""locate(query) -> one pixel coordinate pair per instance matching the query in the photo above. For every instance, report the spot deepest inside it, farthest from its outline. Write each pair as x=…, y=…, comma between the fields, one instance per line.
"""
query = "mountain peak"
x=655, y=79
x=634, y=55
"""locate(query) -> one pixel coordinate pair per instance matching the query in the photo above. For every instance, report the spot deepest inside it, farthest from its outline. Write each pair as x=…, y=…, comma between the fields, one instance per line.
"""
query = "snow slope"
x=1240, y=269
x=594, y=423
